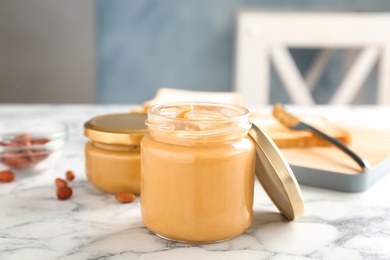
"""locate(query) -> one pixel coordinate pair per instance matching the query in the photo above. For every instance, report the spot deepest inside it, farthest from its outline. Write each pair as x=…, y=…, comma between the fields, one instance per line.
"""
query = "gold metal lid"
x=276, y=176
x=121, y=129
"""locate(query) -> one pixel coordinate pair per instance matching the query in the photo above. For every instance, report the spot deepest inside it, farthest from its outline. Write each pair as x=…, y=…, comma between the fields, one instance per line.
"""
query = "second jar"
x=112, y=154
x=197, y=171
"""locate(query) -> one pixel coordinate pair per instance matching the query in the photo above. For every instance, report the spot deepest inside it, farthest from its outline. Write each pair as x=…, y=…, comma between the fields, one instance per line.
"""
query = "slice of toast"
x=288, y=138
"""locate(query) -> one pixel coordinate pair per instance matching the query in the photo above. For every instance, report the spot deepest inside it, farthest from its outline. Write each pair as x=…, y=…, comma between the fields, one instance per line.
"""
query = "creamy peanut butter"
x=113, y=171
x=197, y=173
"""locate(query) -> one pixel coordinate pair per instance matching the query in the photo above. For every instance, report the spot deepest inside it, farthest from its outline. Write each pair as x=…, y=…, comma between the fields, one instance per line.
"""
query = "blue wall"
x=144, y=45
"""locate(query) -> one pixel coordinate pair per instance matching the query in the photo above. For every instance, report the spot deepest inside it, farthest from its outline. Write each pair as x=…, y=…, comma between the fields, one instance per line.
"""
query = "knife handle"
x=364, y=164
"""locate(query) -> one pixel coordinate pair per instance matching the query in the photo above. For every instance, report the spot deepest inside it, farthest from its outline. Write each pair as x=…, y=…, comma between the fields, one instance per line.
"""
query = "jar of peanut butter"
x=198, y=166
x=112, y=155
x=197, y=178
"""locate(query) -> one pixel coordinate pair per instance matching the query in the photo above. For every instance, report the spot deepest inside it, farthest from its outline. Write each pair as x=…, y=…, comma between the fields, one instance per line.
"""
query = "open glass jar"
x=112, y=155
x=197, y=179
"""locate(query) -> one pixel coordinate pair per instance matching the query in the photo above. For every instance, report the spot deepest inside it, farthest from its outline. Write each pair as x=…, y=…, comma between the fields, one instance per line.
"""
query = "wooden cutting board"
x=327, y=166
x=371, y=144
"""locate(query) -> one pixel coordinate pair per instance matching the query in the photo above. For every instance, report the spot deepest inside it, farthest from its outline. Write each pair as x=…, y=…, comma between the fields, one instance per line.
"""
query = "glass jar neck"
x=198, y=122
x=115, y=147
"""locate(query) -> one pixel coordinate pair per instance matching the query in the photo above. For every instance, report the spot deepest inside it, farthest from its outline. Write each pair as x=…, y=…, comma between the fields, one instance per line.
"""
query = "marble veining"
x=93, y=225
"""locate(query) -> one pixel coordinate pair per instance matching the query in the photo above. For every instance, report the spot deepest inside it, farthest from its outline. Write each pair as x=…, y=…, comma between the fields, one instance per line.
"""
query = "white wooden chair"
x=265, y=36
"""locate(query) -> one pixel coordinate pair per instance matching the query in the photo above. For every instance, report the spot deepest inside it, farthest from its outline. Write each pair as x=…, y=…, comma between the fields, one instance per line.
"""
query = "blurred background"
x=119, y=51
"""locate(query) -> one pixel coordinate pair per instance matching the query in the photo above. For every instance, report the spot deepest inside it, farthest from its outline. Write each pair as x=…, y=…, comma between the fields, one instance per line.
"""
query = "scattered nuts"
x=6, y=176
x=60, y=183
x=125, y=197
x=64, y=193
x=69, y=175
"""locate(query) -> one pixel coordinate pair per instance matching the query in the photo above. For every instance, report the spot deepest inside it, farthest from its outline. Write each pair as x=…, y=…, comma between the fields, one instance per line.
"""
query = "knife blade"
x=295, y=123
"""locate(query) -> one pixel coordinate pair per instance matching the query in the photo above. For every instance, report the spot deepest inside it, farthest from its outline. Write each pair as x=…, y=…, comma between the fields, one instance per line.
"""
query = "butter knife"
x=295, y=123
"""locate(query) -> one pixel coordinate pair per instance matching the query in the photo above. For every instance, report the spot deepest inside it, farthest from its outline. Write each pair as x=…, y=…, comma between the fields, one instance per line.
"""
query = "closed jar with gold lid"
x=112, y=155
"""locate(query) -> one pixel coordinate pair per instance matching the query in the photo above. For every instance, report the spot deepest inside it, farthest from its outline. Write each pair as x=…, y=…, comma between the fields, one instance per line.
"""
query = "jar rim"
x=155, y=109
x=205, y=120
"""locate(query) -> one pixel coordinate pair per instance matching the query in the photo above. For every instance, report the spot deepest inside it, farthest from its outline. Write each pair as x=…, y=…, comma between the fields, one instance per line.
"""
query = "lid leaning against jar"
x=276, y=176
x=121, y=129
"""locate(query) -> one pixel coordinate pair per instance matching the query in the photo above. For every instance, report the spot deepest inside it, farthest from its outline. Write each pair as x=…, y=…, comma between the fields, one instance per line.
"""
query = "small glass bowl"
x=28, y=145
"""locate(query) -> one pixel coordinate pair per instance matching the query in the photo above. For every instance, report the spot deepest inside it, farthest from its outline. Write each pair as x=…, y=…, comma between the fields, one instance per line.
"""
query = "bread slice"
x=288, y=138
x=181, y=95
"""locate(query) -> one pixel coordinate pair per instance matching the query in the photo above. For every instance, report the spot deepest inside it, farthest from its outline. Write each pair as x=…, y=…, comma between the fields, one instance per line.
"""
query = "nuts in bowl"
x=30, y=145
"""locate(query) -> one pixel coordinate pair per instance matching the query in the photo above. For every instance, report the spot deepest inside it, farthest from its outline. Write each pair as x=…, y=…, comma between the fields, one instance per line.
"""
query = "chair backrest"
x=265, y=36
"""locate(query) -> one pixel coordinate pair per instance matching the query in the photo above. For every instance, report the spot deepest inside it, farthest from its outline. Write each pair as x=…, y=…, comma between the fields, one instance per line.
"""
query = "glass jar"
x=112, y=155
x=197, y=178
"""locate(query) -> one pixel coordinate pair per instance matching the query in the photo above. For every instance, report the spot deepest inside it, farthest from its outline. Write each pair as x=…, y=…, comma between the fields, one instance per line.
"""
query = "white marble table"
x=93, y=225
